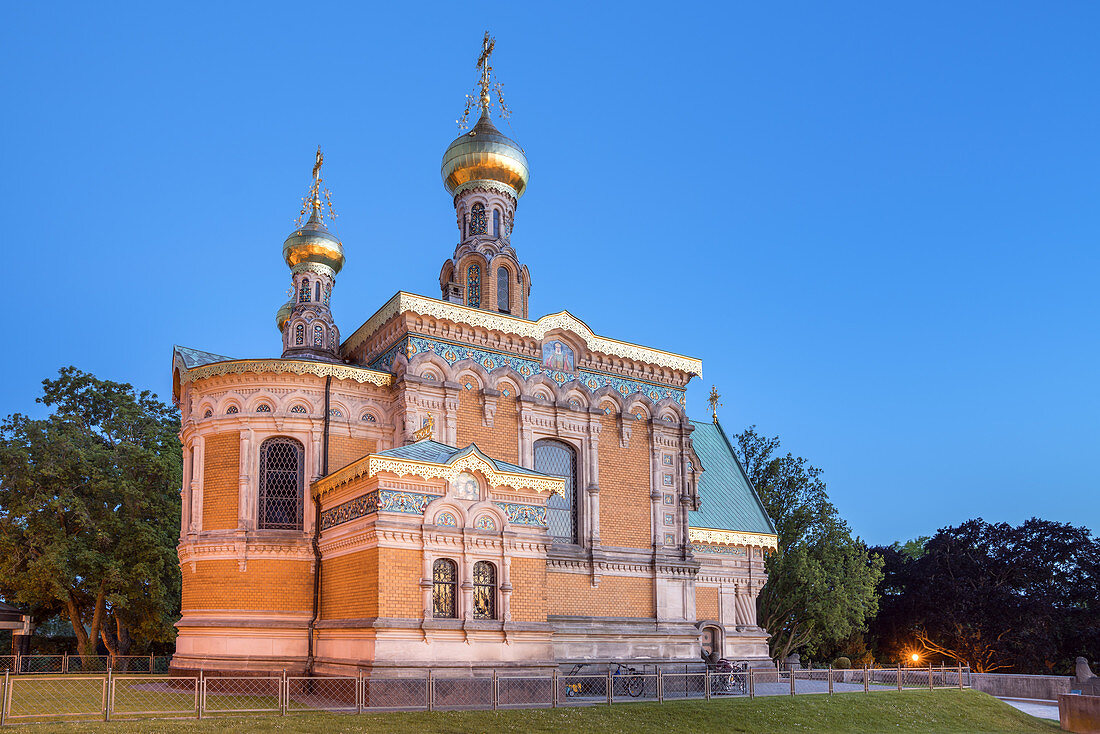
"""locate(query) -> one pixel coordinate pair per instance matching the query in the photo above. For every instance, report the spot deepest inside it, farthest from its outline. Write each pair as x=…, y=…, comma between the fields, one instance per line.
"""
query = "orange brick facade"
x=352, y=571
x=221, y=472
x=706, y=602
x=264, y=585
x=625, y=510
x=616, y=596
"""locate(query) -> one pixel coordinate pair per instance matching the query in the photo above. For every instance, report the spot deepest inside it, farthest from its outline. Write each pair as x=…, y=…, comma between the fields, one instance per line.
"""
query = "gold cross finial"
x=713, y=400
x=486, y=70
x=312, y=204
x=317, y=165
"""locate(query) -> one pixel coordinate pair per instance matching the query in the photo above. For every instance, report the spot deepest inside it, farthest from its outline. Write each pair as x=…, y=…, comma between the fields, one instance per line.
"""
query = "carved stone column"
x=245, y=515
x=451, y=391
x=185, y=491
x=506, y=589
x=198, y=448
x=592, y=490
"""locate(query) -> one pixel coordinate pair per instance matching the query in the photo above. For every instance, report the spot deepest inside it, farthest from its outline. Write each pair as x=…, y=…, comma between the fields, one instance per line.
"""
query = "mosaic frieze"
x=557, y=364
x=518, y=514
x=722, y=550
x=386, y=500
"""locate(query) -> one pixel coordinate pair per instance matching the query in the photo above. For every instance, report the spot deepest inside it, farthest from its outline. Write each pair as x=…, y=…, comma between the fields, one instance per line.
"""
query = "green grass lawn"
x=944, y=711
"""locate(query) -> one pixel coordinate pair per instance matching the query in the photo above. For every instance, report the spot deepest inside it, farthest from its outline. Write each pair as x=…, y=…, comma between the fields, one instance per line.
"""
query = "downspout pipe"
x=317, y=532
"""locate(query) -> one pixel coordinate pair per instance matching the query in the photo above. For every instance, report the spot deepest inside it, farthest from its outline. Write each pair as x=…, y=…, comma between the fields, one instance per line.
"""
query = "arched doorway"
x=711, y=642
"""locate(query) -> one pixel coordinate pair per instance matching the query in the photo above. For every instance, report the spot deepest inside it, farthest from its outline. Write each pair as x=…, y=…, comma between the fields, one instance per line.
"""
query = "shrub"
x=843, y=663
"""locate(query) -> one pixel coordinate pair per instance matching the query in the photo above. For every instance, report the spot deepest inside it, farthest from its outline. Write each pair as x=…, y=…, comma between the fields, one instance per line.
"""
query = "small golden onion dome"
x=282, y=315
x=482, y=154
x=312, y=242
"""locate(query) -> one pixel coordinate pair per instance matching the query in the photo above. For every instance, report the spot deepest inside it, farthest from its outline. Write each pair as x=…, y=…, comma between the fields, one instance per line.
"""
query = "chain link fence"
x=66, y=664
x=38, y=697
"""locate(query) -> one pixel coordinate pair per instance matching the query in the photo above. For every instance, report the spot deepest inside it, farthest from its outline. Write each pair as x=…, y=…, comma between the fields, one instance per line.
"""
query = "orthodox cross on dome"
x=713, y=400
x=312, y=203
x=485, y=86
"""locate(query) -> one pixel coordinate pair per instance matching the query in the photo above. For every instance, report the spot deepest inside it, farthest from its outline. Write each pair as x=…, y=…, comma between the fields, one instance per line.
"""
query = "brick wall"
x=625, y=507
x=284, y=586
x=349, y=585
x=343, y=450
x=706, y=602
x=528, y=589
x=399, y=583
x=616, y=596
x=220, y=487
x=502, y=440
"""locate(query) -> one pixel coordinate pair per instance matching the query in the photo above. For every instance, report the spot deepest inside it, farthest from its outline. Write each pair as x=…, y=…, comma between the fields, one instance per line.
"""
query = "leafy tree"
x=821, y=582
x=89, y=511
x=995, y=597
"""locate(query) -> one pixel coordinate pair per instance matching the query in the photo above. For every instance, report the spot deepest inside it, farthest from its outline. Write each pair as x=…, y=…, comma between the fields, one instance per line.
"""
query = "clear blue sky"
x=875, y=224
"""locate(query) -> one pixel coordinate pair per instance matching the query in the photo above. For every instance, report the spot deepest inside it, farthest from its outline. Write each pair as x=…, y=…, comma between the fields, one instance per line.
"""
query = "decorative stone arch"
x=298, y=400
x=713, y=634
x=230, y=400
x=670, y=407
x=574, y=392
x=205, y=405
x=261, y=398
x=424, y=362
x=487, y=509
x=463, y=277
x=640, y=401
x=342, y=408
x=506, y=376
x=446, y=273
x=538, y=384
x=515, y=296
x=446, y=504
x=370, y=410
x=607, y=393
x=472, y=368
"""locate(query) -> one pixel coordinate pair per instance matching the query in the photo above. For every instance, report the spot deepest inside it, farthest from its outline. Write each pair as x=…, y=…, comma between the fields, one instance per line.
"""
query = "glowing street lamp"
x=915, y=657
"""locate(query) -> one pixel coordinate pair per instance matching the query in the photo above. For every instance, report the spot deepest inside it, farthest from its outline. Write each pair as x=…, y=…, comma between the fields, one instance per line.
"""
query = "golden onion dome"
x=483, y=154
x=312, y=242
x=283, y=315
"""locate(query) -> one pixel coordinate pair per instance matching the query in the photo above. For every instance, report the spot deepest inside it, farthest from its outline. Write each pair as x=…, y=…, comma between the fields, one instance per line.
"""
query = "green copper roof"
x=727, y=500
x=440, y=453
x=197, y=358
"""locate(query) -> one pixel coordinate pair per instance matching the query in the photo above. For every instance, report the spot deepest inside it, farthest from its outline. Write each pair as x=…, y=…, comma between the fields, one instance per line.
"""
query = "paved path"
x=1039, y=709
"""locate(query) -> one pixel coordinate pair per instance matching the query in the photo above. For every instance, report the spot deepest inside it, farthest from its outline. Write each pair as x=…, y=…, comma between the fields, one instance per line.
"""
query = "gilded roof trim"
x=402, y=302
x=373, y=464
x=729, y=537
x=284, y=366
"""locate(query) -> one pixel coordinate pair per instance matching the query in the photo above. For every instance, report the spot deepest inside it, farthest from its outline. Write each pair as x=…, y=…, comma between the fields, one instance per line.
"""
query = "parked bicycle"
x=575, y=687
x=632, y=681
x=728, y=678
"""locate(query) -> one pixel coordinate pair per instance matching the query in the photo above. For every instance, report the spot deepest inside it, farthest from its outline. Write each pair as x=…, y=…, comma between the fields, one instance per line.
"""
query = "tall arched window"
x=317, y=291
x=477, y=218
x=303, y=292
x=318, y=336
x=559, y=459
x=282, y=477
x=502, y=290
x=496, y=222
x=444, y=587
x=473, y=285
x=299, y=335
x=485, y=590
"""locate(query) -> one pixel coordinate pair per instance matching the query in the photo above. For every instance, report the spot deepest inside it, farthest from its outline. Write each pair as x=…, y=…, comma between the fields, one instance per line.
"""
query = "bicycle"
x=635, y=683
x=575, y=688
x=727, y=677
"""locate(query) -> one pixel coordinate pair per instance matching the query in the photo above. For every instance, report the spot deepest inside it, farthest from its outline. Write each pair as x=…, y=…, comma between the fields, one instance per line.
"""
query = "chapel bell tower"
x=486, y=173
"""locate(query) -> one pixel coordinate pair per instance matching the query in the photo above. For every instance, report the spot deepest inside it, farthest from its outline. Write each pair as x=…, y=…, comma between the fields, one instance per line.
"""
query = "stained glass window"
x=318, y=336
x=444, y=586
x=558, y=459
x=299, y=335
x=282, y=473
x=232, y=409
x=502, y=289
x=303, y=292
x=328, y=292
x=263, y=408
x=298, y=409
x=496, y=222
x=477, y=218
x=485, y=590
x=473, y=285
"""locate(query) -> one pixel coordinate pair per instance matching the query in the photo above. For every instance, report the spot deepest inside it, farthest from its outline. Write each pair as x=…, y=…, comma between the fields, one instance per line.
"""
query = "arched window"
x=502, y=290
x=317, y=291
x=303, y=292
x=299, y=335
x=282, y=477
x=473, y=285
x=318, y=336
x=485, y=590
x=559, y=459
x=444, y=586
x=477, y=218
x=496, y=223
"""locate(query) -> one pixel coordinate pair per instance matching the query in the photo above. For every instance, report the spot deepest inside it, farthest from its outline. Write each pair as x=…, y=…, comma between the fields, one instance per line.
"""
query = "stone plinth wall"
x=1042, y=687
x=1079, y=714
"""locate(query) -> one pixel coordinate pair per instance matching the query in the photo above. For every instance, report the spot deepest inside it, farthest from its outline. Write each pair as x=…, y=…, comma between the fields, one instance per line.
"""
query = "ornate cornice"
x=730, y=537
x=287, y=366
x=373, y=464
x=312, y=267
x=487, y=185
x=564, y=320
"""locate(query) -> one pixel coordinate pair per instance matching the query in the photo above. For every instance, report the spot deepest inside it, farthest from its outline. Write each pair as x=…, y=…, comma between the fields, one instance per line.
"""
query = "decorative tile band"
x=286, y=366
x=402, y=302
x=730, y=537
x=453, y=352
x=386, y=500
x=722, y=550
x=523, y=514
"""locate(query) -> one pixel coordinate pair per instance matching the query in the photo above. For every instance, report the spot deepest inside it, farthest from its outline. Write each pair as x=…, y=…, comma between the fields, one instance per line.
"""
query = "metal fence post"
x=198, y=715
x=706, y=683
x=829, y=675
x=5, y=702
x=554, y=693
x=202, y=693
x=899, y=677
x=106, y=695
x=151, y=663
x=431, y=692
x=493, y=690
x=752, y=684
x=660, y=686
x=610, y=683
x=866, y=686
x=65, y=663
x=930, y=677
x=284, y=694
x=359, y=693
